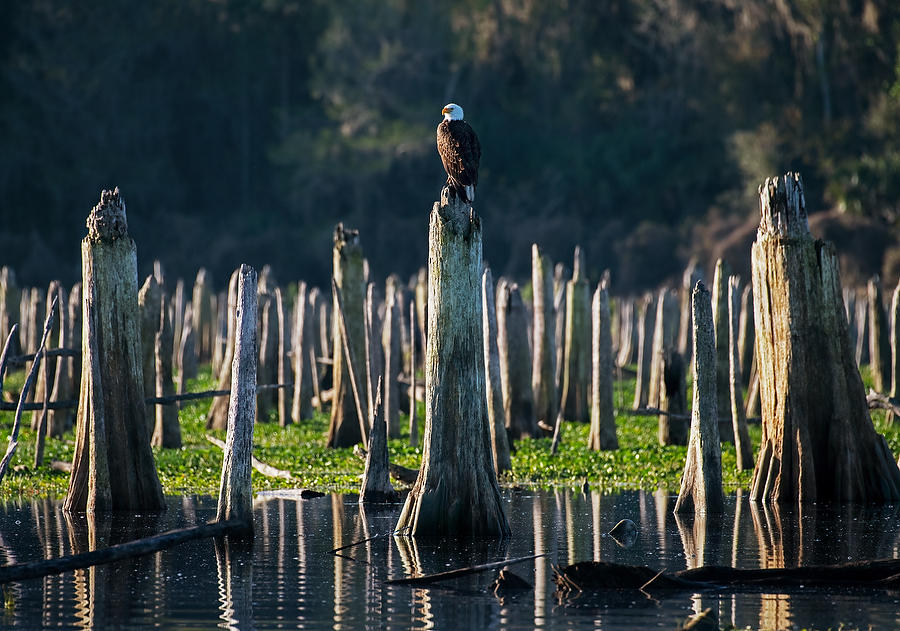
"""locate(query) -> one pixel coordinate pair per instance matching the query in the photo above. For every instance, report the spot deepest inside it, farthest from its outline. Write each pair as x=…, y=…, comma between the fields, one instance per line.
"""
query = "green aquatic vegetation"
x=300, y=449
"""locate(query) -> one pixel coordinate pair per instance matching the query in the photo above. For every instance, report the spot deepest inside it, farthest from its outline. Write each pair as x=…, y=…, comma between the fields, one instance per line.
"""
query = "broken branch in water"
x=444, y=576
x=262, y=467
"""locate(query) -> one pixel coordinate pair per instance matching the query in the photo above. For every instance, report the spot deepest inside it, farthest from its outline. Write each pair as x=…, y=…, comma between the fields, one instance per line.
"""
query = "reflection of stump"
x=113, y=467
x=456, y=492
x=818, y=442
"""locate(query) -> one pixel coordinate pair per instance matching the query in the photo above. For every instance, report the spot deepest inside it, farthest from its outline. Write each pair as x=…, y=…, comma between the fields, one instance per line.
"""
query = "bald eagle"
x=460, y=152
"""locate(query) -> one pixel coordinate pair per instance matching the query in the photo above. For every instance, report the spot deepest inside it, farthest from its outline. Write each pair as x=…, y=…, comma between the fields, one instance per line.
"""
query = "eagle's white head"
x=452, y=112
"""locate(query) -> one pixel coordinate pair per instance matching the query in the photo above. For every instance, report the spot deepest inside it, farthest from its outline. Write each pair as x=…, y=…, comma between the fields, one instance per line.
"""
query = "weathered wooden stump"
x=515, y=362
x=204, y=323
x=187, y=351
x=543, y=363
x=113, y=466
x=720, y=323
x=818, y=442
x=235, y=490
x=376, y=485
x=456, y=493
x=646, y=321
x=492, y=385
x=701, y=483
x=603, y=420
x=879, y=337
x=895, y=348
x=75, y=326
x=302, y=344
x=576, y=376
x=391, y=348
x=665, y=328
x=627, y=332
x=10, y=297
x=689, y=278
x=166, y=430
x=267, y=368
x=746, y=335
x=673, y=399
x=742, y=446
x=345, y=429
x=217, y=417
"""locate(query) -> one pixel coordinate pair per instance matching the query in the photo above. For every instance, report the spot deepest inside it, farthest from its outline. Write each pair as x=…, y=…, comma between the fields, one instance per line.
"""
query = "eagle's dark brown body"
x=460, y=152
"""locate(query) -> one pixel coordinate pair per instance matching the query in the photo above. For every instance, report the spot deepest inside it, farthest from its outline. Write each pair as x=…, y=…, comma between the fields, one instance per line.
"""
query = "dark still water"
x=289, y=580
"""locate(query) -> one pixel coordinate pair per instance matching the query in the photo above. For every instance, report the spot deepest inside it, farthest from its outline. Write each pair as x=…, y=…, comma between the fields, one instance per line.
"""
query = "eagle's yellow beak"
x=446, y=110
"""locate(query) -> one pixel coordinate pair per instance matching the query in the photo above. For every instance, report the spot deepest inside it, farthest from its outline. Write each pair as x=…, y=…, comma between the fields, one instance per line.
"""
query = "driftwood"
x=265, y=469
x=465, y=571
x=597, y=576
x=140, y=547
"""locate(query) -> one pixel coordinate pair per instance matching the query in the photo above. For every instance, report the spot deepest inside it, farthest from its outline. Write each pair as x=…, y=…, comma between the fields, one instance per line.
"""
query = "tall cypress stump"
x=720, y=323
x=895, y=348
x=344, y=430
x=603, y=419
x=879, y=344
x=543, y=363
x=818, y=442
x=515, y=362
x=701, y=483
x=492, y=386
x=113, y=466
x=576, y=376
x=456, y=493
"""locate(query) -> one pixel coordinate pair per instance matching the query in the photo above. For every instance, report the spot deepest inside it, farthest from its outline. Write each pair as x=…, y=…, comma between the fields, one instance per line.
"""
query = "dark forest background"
x=242, y=131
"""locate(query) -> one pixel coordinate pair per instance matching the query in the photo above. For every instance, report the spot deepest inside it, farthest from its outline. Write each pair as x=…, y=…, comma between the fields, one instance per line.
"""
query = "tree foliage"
x=243, y=131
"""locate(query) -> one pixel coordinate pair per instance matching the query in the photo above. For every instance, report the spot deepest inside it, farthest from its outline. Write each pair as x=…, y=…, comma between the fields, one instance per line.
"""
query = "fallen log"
x=592, y=576
x=139, y=547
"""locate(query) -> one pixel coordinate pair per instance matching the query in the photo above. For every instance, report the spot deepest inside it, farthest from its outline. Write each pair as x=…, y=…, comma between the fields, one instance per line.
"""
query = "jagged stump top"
x=782, y=207
x=107, y=221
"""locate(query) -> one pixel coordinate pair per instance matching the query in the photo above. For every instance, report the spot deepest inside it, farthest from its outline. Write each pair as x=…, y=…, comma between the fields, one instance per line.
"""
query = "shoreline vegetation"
x=639, y=463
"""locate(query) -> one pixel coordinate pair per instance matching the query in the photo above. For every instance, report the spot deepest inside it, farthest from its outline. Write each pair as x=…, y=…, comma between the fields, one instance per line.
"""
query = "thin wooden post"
x=673, y=400
x=187, y=351
x=413, y=421
x=646, y=324
x=746, y=335
x=235, y=490
x=665, y=328
x=701, y=483
x=60, y=421
x=217, y=417
x=376, y=485
x=692, y=274
x=204, y=324
x=393, y=359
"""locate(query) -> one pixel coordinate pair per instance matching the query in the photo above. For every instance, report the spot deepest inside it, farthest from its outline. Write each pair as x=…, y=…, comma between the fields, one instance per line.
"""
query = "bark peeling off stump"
x=818, y=441
x=456, y=493
x=113, y=467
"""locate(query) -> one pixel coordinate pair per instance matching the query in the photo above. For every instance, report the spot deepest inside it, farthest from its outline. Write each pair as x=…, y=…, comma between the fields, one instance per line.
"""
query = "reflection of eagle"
x=460, y=152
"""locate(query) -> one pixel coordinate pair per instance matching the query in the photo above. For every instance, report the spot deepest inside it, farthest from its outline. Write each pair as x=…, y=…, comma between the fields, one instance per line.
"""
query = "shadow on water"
x=288, y=578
